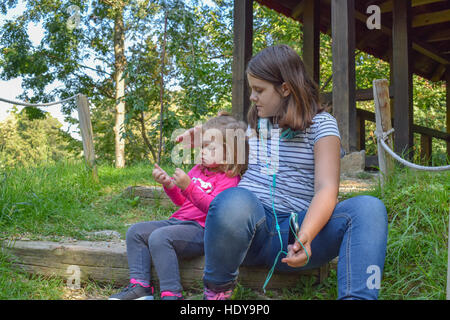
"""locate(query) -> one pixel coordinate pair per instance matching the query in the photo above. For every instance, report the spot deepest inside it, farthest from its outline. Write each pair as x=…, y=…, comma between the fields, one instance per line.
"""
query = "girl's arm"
x=175, y=194
x=326, y=189
x=201, y=199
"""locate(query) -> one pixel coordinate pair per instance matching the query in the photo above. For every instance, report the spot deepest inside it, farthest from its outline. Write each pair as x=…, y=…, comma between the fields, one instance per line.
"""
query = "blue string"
x=286, y=134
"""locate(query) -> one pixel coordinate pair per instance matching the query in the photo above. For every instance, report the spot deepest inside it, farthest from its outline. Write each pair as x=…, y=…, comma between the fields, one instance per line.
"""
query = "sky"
x=11, y=89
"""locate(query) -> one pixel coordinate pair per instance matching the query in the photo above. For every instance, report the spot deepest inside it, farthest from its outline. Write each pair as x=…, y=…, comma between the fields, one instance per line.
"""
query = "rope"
x=381, y=138
x=36, y=104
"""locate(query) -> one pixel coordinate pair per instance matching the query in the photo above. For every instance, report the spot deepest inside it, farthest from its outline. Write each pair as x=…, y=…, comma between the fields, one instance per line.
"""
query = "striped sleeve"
x=326, y=125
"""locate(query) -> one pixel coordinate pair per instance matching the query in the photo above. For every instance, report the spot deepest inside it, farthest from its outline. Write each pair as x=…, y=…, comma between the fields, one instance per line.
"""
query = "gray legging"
x=162, y=242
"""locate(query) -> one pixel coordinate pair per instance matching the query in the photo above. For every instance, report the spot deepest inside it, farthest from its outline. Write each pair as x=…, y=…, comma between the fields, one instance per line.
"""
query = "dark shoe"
x=134, y=292
x=167, y=295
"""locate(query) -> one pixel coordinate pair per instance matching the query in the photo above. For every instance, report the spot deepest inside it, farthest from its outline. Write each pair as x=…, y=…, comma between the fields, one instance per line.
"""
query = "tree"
x=25, y=141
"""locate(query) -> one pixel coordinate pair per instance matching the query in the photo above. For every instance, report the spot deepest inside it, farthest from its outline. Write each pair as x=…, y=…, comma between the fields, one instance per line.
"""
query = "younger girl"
x=181, y=236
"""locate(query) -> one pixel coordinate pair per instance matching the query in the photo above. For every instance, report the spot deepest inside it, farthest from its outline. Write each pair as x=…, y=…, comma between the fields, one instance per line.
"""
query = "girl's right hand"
x=162, y=177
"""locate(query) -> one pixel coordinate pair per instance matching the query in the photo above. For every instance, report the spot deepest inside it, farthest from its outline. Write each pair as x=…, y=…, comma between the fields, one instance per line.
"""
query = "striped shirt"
x=291, y=159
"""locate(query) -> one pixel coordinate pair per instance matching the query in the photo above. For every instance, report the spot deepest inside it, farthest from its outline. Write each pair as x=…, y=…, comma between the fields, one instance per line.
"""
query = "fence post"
x=87, y=134
x=448, y=260
x=383, y=124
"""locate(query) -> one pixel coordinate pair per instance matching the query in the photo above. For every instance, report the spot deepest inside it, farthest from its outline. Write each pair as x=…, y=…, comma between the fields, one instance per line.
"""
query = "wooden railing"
x=426, y=134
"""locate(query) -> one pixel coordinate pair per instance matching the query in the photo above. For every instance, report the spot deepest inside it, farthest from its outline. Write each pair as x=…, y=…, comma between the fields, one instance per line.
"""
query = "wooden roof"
x=430, y=31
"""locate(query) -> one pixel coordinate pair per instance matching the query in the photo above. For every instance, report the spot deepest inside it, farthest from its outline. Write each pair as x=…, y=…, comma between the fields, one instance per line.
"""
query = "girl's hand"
x=162, y=177
x=181, y=179
x=296, y=256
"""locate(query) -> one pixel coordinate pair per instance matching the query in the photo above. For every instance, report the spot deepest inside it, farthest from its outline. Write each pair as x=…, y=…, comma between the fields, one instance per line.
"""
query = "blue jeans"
x=240, y=230
x=162, y=242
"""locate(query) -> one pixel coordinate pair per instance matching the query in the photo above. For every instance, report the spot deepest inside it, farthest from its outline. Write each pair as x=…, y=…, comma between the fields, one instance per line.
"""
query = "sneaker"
x=219, y=292
x=168, y=295
x=134, y=292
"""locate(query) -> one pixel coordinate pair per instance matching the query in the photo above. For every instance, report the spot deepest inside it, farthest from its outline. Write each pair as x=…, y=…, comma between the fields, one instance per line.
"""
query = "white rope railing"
x=39, y=104
x=381, y=140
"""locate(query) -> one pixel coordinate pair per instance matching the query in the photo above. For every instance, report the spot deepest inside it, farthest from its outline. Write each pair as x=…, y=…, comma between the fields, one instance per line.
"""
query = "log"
x=152, y=195
x=106, y=262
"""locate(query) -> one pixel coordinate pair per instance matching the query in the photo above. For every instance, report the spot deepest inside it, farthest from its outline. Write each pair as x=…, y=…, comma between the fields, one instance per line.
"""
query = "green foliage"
x=197, y=70
x=25, y=142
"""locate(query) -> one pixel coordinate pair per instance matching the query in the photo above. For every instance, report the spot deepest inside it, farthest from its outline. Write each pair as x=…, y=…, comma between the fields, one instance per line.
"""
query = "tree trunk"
x=119, y=65
x=161, y=91
x=144, y=136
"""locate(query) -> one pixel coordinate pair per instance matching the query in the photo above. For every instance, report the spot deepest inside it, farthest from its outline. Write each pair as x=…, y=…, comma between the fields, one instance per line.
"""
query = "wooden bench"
x=105, y=261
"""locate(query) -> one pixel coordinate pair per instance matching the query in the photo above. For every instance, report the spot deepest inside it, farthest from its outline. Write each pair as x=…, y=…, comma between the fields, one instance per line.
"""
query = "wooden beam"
x=343, y=50
x=402, y=76
x=447, y=85
x=438, y=72
x=417, y=45
x=441, y=35
x=426, y=19
x=106, y=262
x=311, y=38
x=297, y=12
x=242, y=52
x=387, y=6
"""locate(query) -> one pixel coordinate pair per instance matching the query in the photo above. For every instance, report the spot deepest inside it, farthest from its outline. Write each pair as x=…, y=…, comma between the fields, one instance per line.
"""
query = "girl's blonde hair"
x=224, y=123
x=281, y=64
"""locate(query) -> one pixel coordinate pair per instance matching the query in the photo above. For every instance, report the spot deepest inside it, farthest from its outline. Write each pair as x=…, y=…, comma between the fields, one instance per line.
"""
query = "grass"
x=62, y=201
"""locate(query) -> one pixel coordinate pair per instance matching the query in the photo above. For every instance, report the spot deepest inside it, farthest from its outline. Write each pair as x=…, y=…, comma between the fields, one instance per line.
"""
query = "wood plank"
x=402, y=76
x=298, y=10
x=426, y=19
x=242, y=52
x=107, y=262
x=311, y=38
x=439, y=35
x=343, y=48
x=387, y=6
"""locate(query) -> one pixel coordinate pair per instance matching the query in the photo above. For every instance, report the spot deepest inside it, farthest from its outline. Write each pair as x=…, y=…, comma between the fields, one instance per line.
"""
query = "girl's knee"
x=133, y=232
x=158, y=239
x=233, y=207
x=364, y=208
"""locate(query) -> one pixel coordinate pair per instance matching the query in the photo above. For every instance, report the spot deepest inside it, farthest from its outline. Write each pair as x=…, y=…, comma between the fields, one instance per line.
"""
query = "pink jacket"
x=195, y=200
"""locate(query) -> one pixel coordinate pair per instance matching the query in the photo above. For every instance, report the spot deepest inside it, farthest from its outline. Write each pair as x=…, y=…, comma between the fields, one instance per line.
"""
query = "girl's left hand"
x=181, y=179
x=296, y=256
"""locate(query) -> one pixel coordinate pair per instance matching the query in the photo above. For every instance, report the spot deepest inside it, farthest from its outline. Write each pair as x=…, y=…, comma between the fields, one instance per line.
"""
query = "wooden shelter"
x=414, y=37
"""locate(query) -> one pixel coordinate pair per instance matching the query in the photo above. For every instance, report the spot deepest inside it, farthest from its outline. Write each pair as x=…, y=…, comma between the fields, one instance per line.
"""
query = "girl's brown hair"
x=281, y=64
x=224, y=122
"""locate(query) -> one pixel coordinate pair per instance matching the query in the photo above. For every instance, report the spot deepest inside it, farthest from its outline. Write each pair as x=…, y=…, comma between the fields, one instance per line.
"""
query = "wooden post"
x=87, y=134
x=243, y=38
x=383, y=124
x=425, y=148
x=401, y=58
x=343, y=48
x=447, y=81
x=311, y=39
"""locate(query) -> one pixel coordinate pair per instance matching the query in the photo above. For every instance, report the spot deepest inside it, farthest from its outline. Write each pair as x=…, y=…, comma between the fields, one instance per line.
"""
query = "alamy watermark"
x=374, y=20
x=73, y=280
x=374, y=280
